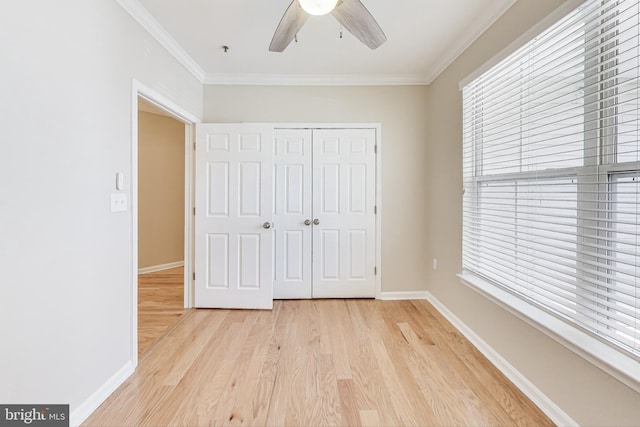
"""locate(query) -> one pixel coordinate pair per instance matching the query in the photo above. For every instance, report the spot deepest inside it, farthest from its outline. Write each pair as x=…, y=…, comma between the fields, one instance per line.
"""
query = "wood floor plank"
x=367, y=372
x=194, y=398
x=145, y=390
x=313, y=366
x=489, y=381
x=257, y=346
x=349, y=407
x=243, y=371
x=317, y=363
x=330, y=401
x=230, y=361
x=437, y=386
x=160, y=305
x=339, y=334
x=262, y=394
x=284, y=337
x=369, y=418
x=458, y=375
x=440, y=382
x=396, y=374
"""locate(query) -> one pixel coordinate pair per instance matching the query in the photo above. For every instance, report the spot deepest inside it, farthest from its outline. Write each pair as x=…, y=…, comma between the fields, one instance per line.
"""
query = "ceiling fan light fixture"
x=318, y=7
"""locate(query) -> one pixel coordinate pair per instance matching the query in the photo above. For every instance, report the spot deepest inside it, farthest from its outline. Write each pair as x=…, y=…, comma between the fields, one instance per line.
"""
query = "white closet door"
x=292, y=195
x=234, y=208
x=344, y=216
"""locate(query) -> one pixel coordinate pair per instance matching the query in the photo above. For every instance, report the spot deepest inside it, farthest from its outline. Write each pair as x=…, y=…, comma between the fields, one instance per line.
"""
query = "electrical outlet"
x=118, y=202
x=435, y=264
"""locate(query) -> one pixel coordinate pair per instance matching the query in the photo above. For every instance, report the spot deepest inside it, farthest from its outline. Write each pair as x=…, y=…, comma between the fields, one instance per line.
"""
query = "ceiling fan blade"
x=292, y=20
x=357, y=19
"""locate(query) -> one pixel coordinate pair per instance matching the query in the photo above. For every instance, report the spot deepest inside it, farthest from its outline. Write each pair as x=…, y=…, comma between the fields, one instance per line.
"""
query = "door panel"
x=249, y=189
x=293, y=249
x=249, y=257
x=218, y=193
x=292, y=195
x=344, y=202
x=357, y=250
x=329, y=189
x=234, y=184
x=329, y=255
x=218, y=256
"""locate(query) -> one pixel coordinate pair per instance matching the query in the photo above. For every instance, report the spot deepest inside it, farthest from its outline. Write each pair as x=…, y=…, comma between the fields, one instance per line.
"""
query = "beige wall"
x=161, y=190
x=402, y=112
x=587, y=394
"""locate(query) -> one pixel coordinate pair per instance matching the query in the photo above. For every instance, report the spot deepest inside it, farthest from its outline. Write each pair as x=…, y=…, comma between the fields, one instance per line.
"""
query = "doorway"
x=161, y=237
x=179, y=271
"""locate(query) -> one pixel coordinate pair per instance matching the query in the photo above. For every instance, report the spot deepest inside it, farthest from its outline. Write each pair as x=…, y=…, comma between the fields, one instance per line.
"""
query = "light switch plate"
x=118, y=202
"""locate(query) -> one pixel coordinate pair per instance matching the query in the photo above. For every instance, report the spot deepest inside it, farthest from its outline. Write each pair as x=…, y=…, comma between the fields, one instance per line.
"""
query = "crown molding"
x=458, y=49
x=315, y=79
x=153, y=27
x=149, y=23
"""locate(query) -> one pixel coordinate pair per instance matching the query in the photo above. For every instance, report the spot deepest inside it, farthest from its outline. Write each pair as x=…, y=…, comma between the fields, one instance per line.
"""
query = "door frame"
x=139, y=90
x=378, y=185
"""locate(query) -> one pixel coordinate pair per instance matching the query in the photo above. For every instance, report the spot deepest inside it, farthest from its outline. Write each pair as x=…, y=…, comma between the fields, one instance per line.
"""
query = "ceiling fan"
x=351, y=14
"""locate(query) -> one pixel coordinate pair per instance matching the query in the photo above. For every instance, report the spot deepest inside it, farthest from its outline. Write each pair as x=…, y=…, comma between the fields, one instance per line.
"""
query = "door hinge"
x=375, y=271
x=194, y=146
x=375, y=210
x=375, y=149
x=194, y=211
x=194, y=276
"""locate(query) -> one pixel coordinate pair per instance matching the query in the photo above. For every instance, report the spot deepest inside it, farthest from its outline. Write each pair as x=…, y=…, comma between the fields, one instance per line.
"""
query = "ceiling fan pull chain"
x=352, y=16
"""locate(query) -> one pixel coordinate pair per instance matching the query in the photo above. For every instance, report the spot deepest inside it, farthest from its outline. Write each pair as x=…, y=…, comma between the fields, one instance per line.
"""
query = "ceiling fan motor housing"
x=318, y=7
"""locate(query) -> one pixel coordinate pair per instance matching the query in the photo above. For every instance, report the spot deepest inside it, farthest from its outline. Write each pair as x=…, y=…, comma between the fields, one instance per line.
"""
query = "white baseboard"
x=155, y=268
x=546, y=405
x=395, y=296
x=86, y=408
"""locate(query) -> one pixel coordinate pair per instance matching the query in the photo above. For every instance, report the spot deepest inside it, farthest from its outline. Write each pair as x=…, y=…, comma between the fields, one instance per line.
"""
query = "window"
x=551, y=146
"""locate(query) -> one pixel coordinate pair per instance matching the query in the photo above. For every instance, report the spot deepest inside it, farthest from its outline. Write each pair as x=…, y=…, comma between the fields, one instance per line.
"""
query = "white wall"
x=402, y=112
x=66, y=70
x=584, y=392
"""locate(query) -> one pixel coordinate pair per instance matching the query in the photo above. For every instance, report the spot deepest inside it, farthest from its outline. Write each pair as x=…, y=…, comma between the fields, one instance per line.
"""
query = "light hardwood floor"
x=321, y=362
x=160, y=305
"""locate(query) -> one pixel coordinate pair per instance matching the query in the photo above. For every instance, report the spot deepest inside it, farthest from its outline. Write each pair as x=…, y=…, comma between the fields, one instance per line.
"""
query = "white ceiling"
x=424, y=36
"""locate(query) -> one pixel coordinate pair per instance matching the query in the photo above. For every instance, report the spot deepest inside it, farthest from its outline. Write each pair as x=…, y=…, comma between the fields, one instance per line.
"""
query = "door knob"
x=307, y=222
x=316, y=221
x=266, y=225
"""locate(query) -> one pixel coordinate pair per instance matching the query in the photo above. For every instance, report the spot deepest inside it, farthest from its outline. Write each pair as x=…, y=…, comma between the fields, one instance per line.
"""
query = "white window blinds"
x=552, y=172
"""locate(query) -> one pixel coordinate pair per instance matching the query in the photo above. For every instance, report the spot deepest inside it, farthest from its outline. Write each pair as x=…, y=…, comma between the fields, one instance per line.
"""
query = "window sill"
x=624, y=368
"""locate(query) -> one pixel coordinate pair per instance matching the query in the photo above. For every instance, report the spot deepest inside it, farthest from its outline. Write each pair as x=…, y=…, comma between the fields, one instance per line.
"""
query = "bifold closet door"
x=343, y=237
x=292, y=214
x=324, y=217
